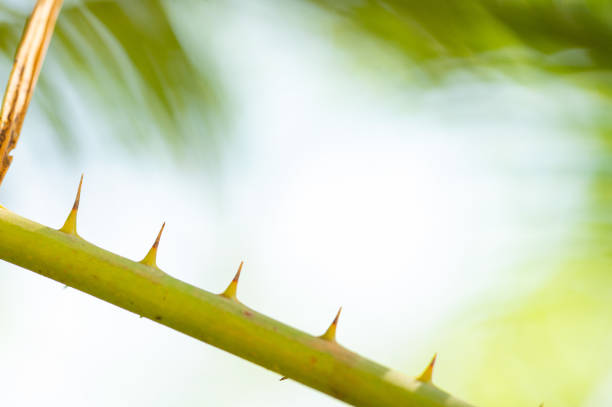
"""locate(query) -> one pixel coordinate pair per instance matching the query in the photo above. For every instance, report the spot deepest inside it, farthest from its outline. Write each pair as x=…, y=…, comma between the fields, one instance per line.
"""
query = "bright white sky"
x=407, y=207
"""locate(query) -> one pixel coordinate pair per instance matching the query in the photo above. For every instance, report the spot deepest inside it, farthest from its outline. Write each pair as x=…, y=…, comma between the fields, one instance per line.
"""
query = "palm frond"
x=568, y=39
x=124, y=60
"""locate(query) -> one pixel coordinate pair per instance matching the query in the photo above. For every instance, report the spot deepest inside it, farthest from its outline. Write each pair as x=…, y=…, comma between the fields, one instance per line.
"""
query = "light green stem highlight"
x=222, y=322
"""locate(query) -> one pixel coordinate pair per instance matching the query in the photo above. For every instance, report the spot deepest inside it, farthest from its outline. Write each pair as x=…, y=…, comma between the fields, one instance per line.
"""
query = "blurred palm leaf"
x=125, y=59
x=570, y=38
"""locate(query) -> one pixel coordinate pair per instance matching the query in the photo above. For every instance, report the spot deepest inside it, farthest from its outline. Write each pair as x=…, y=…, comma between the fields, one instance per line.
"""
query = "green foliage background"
x=548, y=341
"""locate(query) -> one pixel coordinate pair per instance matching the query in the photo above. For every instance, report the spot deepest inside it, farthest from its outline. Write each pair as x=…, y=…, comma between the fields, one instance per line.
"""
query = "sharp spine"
x=70, y=226
x=232, y=288
x=427, y=374
x=330, y=334
x=151, y=258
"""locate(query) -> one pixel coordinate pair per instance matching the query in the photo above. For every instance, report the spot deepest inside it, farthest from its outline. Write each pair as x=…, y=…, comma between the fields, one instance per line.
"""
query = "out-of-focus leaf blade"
x=558, y=37
x=125, y=59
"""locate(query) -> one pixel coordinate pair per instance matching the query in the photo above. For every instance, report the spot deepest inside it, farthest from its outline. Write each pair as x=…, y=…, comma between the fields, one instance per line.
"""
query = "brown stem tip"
x=22, y=80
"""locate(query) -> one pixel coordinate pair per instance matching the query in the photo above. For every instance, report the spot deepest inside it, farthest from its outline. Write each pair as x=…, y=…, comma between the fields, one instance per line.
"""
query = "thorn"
x=283, y=378
x=330, y=334
x=427, y=374
x=151, y=258
x=230, y=291
x=70, y=226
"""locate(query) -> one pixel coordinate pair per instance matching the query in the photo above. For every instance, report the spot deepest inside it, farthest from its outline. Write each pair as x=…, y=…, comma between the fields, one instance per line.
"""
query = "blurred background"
x=441, y=169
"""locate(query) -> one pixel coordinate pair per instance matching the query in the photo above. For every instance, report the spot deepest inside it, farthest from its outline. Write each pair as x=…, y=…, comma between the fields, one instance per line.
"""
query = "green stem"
x=222, y=322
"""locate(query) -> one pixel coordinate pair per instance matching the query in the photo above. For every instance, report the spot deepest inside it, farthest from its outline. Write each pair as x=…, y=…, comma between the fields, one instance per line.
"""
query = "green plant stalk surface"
x=222, y=322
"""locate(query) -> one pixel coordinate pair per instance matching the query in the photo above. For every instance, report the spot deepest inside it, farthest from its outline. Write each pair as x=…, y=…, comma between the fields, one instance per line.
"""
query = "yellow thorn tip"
x=330, y=334
x=151, y=258
x=230, y=291
x=70, y=226
x=427, y=374
x=283, y=378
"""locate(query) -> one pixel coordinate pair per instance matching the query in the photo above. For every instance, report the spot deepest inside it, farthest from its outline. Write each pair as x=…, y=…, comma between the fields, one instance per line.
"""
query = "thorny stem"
x=220, y=321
